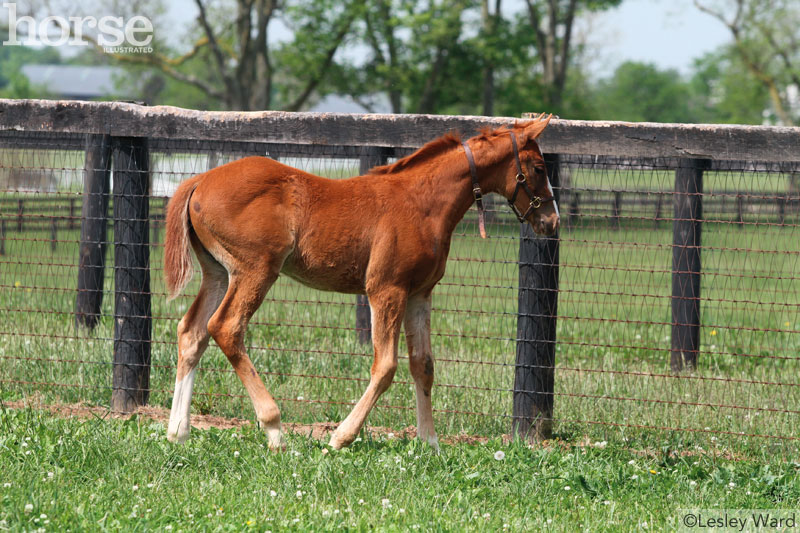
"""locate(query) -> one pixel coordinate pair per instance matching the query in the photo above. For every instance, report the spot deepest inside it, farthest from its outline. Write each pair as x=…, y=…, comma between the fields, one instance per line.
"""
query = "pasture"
x=114, y=475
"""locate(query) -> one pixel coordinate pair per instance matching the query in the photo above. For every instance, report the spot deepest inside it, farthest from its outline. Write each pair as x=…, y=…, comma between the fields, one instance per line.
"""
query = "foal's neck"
x=445, y=188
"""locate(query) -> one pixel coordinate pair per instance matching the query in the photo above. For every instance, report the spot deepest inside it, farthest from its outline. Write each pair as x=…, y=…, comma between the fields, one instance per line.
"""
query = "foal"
x=386, y=234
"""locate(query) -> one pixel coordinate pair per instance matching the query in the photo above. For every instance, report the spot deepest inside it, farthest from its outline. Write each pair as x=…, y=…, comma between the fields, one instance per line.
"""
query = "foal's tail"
x=178, y=269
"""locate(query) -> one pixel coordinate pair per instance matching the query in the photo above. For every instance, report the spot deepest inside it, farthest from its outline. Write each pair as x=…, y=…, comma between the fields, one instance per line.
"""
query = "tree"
x=765, y=41
x=641, y=92
x=232, y=62
x=552, y=22
x=410, y=51
x=724, y=91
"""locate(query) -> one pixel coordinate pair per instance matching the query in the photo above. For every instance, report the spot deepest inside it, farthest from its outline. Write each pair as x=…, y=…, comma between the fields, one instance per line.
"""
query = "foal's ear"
x=535, y=127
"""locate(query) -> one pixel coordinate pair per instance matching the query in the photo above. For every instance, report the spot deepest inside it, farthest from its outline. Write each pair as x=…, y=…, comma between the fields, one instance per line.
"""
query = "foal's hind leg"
x=192, y=342
x=228, y=327
x=388, y=307
x=420, y=359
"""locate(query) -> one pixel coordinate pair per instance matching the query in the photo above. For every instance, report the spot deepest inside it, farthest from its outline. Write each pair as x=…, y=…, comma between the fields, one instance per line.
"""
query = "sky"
x=668, y=33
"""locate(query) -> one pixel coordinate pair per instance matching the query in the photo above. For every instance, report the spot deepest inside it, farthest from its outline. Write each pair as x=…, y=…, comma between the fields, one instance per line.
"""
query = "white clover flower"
x=499, y=455
x=487, y=516
x=236, y=453
x=386, y=503
x=360, y=502
x=299, y=494
x=635, y=476
x=731, y=484
x=273, y=493
x=601, y=444
x=135, y=488
x=567, y=487
x=390, y=435
x=28, y=507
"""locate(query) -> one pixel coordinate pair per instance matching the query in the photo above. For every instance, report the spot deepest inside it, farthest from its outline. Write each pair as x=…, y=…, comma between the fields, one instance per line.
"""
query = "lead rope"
x=476, y=189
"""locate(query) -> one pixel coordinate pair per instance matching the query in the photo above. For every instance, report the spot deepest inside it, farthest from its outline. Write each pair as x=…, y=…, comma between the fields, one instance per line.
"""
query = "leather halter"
x=522, y=183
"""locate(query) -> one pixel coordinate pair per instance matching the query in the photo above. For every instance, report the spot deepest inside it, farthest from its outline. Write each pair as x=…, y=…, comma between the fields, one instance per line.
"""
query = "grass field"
x=110, y=475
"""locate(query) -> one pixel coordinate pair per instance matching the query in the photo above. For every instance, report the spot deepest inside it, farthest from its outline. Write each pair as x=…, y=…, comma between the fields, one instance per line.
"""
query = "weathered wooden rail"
x=122, y=134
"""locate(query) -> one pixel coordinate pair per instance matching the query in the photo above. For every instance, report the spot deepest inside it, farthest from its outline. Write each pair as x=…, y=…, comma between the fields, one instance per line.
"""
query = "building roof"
x=75, y=82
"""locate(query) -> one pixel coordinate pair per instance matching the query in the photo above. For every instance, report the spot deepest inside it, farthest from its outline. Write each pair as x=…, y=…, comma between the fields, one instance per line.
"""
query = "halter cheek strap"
x=476, y=189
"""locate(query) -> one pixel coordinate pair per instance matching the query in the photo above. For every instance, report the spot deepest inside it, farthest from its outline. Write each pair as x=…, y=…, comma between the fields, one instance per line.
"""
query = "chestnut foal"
x=386, y=235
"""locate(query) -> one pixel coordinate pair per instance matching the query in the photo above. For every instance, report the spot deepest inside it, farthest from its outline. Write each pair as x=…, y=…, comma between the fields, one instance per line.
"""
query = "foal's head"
x=521, y=175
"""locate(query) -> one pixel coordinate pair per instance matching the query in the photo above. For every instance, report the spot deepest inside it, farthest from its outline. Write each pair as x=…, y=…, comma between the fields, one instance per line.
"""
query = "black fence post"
x=132, y=314
x=536, y=328
x=94, y=219
x=616, y=209
x=2, y=236
x=371, y=157
x=20, y=215
x=686, y=229
x=53, y=234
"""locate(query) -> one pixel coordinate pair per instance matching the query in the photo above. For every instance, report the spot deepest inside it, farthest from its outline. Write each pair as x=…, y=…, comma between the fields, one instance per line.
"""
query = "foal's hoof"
x=274, y=437
x=337, y=442
x=178, y=437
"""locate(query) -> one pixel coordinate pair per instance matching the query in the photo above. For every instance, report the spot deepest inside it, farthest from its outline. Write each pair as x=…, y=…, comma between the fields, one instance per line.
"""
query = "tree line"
x=445, y=56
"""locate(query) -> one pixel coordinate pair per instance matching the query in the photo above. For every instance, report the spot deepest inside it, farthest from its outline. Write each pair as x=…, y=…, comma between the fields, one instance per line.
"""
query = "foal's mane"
x=436, y=148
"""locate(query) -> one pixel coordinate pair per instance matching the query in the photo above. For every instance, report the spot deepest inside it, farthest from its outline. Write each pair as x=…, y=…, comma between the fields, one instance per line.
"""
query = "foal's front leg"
x=420, y=360
x=388, y=308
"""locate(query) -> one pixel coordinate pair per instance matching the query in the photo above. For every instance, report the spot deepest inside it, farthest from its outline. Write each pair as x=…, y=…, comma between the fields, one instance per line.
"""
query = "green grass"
x=68, y=474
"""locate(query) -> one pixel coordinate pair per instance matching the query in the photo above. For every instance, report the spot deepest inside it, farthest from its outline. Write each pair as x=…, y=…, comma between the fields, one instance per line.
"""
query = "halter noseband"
x=522, y=183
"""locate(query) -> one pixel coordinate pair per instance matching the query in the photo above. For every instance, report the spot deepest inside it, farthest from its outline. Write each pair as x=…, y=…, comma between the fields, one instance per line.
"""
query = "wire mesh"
x=613, y=377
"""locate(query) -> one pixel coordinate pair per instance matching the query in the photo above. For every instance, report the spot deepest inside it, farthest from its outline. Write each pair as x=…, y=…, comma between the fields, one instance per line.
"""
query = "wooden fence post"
x=2, y=235
x=574, y=209
x=71, y=223
x=616, y=208
x=740, y=210
x=659, y=206
x=20, y=215
x=132, y=314
x=371, y=157
x=53, y=234
x=94, y=218
x=536, y=328
x=686, y=229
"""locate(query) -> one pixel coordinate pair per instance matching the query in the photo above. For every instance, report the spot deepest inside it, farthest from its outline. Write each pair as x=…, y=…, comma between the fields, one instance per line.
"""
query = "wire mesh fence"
x=613, y=345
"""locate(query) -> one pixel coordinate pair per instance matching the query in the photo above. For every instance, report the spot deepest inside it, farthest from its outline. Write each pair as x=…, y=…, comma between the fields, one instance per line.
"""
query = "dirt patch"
x=319, y=430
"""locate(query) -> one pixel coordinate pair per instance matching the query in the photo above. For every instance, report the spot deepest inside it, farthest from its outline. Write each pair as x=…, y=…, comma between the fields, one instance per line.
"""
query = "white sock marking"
x=179, y=426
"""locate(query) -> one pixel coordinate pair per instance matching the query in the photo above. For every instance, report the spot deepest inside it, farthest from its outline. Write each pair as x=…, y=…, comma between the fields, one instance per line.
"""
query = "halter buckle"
x=521, y=177
x=477, y=194
x=536, y=202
